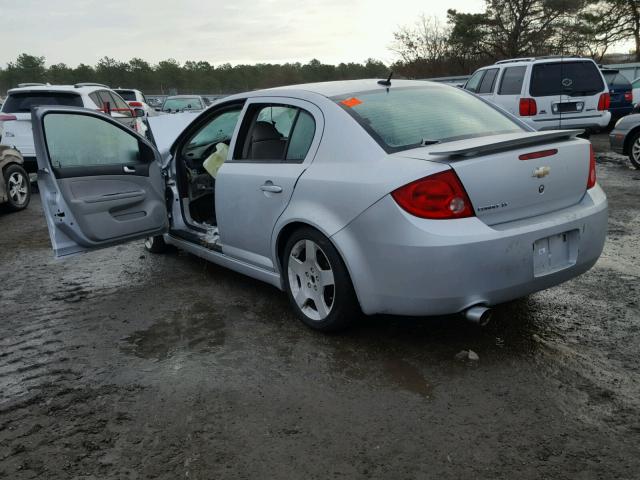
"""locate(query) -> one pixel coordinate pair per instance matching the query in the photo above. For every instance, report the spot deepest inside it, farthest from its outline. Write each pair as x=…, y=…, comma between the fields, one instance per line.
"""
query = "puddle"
x=198, y=329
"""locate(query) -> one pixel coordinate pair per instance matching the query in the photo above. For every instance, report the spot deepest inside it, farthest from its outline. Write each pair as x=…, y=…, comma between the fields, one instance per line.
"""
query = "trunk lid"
x=504, y=188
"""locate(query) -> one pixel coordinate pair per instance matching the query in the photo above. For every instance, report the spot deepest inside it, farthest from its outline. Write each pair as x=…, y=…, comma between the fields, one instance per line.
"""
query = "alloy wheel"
x=635, y=150
x=18, y=190
x=311, y=279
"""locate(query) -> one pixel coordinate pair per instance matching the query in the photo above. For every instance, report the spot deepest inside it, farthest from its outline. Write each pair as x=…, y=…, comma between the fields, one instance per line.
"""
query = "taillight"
x=136, y=104
x=628, y=96
x=439, y=196
x=7, y=118
x=528, y=107
x=591, y=181
x=604, y=102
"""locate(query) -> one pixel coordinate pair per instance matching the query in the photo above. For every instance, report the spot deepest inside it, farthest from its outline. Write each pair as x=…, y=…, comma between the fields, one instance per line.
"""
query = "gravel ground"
x=124, y=365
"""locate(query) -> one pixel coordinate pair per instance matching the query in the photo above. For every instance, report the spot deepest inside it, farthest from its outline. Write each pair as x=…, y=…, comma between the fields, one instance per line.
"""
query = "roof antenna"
x=387, y=82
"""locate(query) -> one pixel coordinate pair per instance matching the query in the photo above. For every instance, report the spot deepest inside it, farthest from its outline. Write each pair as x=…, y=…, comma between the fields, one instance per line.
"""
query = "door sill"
x=210, y=239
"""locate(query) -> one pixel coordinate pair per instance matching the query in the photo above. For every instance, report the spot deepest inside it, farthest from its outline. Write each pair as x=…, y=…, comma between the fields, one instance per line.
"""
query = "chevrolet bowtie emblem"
x=541, y=172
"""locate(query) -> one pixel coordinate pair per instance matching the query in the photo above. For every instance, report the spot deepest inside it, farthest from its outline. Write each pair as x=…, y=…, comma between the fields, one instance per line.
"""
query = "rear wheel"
x=18, y=187
x=634, y=150
x=317, y=282
x=155, y=244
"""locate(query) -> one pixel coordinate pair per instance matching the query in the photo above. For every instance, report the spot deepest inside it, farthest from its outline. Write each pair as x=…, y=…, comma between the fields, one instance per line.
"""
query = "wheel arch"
x=286, y=231
x=281, y=240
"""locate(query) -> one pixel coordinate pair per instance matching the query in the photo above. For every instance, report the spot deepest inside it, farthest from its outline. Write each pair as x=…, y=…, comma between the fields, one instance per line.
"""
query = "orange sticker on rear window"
x=351, y=102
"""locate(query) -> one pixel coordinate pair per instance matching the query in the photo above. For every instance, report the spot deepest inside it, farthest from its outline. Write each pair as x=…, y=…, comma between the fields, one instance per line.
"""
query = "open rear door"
x=100, y=182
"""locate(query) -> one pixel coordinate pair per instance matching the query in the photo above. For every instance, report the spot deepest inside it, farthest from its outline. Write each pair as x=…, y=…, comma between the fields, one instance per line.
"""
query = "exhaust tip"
x=479, y=314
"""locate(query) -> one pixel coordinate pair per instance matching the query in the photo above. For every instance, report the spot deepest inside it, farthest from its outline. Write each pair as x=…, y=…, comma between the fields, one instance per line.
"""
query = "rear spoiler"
x=483, y=147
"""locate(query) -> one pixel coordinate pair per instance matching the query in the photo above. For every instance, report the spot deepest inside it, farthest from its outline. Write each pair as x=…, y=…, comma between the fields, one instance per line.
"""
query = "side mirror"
x=139, y=112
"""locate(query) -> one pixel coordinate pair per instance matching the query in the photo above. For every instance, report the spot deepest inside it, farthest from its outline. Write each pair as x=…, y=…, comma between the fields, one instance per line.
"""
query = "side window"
x=636, y=84
x=96, y=99
x=220, y=129
x=120, y=105
x=266, y=135
x=512, y=79
x=105, y=98
x=474, y=82
x=489, y=80
x=67, y=136
x=301, y=138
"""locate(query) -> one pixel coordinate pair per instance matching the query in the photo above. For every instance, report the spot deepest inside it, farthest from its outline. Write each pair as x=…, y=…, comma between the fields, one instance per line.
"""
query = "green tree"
x=26, y=68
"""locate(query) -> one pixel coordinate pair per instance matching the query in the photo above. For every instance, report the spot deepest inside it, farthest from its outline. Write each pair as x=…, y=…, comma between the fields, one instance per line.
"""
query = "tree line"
x=169, y=76
x=516, y=28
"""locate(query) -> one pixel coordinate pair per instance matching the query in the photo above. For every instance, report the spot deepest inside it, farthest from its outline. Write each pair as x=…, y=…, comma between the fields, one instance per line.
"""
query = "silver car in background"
x=403, y=197
x=625, y=138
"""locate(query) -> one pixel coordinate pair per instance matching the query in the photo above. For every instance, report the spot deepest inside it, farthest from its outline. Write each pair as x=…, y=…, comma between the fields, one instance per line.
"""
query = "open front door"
x=100, y=182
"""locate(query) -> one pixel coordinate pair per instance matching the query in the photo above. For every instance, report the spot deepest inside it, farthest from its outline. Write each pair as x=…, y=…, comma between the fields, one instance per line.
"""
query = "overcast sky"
x=219, y=31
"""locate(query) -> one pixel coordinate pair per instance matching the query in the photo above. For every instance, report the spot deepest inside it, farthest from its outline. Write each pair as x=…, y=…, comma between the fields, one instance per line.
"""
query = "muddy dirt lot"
x=125, y=365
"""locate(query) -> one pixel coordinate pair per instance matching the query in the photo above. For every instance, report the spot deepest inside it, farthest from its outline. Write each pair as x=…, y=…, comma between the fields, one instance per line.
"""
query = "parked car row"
x=15, y=115
x=547, y=93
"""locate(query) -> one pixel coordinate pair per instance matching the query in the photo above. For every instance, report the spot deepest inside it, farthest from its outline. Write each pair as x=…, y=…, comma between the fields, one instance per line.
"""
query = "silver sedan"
x=409, y=198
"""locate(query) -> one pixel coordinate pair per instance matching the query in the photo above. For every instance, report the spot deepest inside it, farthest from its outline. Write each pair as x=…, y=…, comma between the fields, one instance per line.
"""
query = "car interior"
x=264, y=136
x=195, y=184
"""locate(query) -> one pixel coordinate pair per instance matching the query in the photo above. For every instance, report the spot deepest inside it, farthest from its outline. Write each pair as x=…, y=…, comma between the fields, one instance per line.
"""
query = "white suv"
x=15, y=115
x=548, y=93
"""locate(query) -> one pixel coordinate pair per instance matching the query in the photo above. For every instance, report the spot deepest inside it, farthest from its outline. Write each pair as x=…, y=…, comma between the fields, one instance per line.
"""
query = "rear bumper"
x=592, y=122
x=404, y=265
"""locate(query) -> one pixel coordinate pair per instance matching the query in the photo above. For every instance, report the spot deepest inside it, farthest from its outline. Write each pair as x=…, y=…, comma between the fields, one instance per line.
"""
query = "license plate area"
x=568, y=107
x=555, y=253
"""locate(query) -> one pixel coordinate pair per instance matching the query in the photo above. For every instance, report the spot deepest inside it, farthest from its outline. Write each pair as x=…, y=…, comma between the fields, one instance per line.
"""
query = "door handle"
x=129, y=169
x=269, y=187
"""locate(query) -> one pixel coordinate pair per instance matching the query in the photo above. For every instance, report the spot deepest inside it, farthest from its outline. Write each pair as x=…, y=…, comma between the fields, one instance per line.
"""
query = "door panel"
x=100, y=183
x=252, y=194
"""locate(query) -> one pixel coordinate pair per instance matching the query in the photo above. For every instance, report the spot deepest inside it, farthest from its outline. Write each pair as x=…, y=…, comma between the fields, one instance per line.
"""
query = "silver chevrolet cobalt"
x=401, y=197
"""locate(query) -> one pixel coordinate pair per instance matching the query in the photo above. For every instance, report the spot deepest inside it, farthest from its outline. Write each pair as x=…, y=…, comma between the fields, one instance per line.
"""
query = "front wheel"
x=634, y=150
x=317, y=282
x=18, y=187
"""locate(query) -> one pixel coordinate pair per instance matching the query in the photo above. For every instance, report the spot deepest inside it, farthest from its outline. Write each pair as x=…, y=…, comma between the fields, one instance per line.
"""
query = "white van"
x=548, y=93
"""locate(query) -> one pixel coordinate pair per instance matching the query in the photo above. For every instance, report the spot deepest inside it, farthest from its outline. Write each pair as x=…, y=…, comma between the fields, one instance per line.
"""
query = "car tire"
x=18, y=187
x=634, y=150
x=155, y=244
x=318, y=285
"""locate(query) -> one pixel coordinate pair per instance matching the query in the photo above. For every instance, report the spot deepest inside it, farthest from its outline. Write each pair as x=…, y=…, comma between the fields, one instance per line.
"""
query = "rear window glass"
x=620, y=81
x=128, y=95
x=403, y=118
x=568, y=78
x=511, y=83
x=22, y=102
x=182, y=104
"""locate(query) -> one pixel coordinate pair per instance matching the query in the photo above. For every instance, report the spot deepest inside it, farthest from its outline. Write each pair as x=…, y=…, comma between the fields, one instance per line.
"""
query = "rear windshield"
x=403, y=118
x=128, y=95
x=568, y=78
x=22, y=102
x=182, y=104
x=616, y=80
